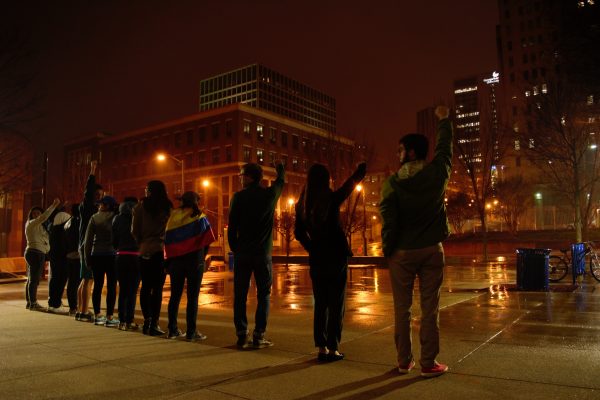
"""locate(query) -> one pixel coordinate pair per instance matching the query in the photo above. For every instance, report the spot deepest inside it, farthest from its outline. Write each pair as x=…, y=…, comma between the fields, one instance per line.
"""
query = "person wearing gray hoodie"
x=100, y=256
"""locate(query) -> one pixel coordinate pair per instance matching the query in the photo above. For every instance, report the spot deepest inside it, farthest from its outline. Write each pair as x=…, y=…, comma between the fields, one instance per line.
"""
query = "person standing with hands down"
x=250, y=236
x=150, y=218
x=187, y=238
x=320, y=232
x=414, y=226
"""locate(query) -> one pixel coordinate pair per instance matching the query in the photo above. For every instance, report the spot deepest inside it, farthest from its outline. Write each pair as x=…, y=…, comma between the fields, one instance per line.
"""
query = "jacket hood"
x=61, y=218
x=127, y=207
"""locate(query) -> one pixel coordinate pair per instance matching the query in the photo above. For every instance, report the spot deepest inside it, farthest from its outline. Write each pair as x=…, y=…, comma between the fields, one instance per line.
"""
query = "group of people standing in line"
x=144, y=239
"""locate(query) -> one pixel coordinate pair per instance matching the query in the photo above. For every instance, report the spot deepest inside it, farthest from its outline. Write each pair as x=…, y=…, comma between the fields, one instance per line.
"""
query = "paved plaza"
x=499, y=344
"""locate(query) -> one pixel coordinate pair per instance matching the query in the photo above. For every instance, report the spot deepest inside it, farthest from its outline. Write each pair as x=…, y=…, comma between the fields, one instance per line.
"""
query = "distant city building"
x=263, y=88
x=476, y=114
x=209, y=146
x=536, y=52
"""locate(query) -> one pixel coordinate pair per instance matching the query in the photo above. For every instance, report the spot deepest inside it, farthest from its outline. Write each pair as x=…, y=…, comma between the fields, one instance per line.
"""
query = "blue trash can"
x=231, y=261
x=577, y=260
x=532, y=269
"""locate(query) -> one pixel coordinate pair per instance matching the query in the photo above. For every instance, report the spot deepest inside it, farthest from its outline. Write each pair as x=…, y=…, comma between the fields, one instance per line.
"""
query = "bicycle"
x=558, y=266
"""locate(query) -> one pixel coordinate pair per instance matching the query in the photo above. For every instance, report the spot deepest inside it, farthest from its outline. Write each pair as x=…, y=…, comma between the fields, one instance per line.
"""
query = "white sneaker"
x=58, y=310
x=100, y=320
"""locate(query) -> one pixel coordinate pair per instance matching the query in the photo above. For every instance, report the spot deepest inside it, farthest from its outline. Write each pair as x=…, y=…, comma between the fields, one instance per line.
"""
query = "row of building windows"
x=178, y=139
x=202, y=158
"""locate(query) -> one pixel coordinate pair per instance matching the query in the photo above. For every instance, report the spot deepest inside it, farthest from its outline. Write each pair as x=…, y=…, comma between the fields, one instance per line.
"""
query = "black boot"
x=146, y=326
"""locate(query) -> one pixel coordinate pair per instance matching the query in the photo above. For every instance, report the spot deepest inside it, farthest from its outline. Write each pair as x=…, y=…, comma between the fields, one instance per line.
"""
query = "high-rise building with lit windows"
x=261, y=87
x=531, y=39
x=476, y=115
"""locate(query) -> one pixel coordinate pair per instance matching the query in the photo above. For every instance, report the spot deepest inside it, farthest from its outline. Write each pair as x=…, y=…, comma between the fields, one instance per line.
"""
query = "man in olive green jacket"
x=414, y=226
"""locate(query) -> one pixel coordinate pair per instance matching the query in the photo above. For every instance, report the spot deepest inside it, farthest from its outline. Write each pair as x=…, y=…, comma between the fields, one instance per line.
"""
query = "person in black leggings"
x=148, y=228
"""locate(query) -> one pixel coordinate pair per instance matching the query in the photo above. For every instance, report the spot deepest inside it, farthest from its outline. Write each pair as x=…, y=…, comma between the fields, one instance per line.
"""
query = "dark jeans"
x=35, y=266
x=153, y=280
x=128, y=273
x=104, y=265
x=188, y=267
x=262, y=267
x=329, y=290
x=73, y=268
x=59, y=274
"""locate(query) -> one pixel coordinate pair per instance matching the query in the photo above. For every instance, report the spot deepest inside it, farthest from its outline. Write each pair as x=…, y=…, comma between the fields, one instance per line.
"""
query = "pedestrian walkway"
x=499, y=344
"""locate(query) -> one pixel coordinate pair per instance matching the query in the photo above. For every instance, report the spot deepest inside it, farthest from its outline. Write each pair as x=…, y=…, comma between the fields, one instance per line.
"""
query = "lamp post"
x=163, y=156
x=359, y=189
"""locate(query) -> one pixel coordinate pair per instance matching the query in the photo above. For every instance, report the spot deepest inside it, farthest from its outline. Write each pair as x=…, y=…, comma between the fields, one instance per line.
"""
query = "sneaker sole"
x=433, y=374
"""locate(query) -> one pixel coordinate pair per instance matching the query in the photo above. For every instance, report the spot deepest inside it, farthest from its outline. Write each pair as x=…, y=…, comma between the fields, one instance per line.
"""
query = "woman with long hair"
x=188, y=236
x=150, y=218
x=38, y=246
x=319, y=230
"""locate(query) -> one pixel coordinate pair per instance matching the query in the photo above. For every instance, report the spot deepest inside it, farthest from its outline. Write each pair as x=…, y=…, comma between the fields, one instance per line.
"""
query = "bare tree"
x=562, y=142
x=459, y=210
x=478, y=154
x=284, y=225
x=515, y=197
x=17, y=110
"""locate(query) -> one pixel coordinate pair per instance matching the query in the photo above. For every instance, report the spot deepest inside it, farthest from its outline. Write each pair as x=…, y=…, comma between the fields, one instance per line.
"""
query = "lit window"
x=535, y=91
x=246, y=128
x=517, y=145
x=531, y=143
x=590, y=100
x=544, y=88
x=259, y=132
x=527, y=93
x=260, y=156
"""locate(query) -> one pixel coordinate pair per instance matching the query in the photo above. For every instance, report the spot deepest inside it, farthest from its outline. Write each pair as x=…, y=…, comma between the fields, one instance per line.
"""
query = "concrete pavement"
x=499, y=344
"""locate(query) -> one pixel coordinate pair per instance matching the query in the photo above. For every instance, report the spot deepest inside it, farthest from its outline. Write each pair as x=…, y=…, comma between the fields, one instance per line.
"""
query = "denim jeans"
x=128, y=274
x=104, y=265
x=35, y=266
x=245, y=266
x=188, y=267
x=153, y=280
x=404, y=267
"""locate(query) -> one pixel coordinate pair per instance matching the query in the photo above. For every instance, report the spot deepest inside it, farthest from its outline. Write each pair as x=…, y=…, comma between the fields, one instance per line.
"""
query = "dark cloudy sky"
x=118, y=65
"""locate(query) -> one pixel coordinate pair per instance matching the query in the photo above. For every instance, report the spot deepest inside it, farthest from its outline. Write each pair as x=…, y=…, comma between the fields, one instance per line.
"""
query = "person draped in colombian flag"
x=187, y=238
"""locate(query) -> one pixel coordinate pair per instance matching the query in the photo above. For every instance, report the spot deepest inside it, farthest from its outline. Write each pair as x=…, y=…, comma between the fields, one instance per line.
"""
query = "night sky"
x=110, y=66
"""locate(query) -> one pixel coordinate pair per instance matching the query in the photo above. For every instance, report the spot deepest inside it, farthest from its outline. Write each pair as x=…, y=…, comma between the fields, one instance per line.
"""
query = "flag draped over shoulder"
x=185, y=233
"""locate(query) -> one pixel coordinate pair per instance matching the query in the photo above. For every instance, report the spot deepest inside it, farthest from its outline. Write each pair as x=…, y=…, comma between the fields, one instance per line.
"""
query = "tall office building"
x=536, y=50
x=263, y=88
x=476, y=120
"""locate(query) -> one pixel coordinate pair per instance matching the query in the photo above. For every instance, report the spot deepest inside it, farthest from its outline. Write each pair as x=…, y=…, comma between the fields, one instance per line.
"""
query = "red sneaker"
x=405, y=369
x=437, y=370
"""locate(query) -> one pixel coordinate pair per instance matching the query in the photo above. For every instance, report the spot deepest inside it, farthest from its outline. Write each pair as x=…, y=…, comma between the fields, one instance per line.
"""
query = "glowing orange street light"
x=205, y=183
x=162, y=157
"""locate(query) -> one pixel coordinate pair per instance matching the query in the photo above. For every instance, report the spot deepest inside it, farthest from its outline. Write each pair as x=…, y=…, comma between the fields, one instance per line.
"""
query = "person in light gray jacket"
x=100, y=256
x=38, y=246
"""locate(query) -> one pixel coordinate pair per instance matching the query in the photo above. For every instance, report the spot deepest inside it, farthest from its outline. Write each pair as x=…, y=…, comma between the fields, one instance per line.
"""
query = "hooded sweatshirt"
x=36, y=234
x=123, y=240
x=412, y=201
x=58, y=236
x=98, y=235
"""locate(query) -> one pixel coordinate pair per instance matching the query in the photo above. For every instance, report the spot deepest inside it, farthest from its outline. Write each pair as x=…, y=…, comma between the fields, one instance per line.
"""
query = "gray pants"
x=404, y=266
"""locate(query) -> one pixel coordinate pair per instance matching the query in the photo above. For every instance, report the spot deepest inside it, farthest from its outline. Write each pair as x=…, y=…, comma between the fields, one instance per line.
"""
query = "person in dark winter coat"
x=88, y=207
x=72, y=253
x=319, y=230
x=59, y=272
x=127, y=263
x=148, y=228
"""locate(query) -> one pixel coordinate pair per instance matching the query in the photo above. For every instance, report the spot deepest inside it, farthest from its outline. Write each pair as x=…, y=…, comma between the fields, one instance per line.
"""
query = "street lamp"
x=162, y=157
x=359, y=189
